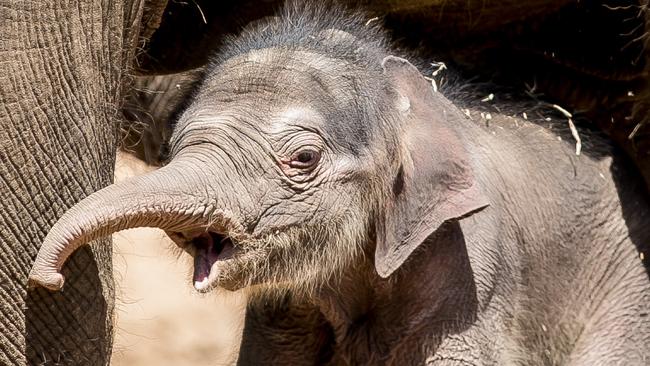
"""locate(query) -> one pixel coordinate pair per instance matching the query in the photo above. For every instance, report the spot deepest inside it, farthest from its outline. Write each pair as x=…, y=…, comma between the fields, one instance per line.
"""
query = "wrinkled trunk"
x=165, y=199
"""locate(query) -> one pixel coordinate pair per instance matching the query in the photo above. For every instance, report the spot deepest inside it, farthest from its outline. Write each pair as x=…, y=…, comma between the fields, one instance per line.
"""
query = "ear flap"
x=435, y=183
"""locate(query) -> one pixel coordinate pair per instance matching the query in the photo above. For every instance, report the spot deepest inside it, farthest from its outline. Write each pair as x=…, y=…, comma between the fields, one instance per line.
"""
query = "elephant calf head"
x=306, y=150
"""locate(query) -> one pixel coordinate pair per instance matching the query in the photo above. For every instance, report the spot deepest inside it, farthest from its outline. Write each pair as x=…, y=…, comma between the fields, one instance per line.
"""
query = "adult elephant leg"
x=61, y=66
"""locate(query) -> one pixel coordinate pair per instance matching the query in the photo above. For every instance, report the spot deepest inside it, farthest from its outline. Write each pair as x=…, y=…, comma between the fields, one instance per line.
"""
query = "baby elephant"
x=378, y=223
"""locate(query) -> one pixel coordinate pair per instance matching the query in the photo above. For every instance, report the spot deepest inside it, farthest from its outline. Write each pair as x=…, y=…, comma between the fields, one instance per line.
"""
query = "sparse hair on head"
x=297, y=26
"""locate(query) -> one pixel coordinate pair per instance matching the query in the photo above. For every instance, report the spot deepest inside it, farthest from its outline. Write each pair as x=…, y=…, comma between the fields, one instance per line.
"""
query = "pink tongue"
x=204, y=258
x=202, y=263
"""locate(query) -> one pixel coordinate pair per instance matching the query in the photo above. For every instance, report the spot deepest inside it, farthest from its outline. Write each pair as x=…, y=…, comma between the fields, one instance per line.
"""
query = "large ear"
x=435, y=182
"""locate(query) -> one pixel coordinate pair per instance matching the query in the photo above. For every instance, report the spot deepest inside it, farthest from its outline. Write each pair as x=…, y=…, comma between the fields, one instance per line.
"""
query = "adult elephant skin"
x=62, y=75
x=378, y=222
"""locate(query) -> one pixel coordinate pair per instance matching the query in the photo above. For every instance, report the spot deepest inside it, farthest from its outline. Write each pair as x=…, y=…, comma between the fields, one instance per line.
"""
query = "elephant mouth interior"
x=209, y=248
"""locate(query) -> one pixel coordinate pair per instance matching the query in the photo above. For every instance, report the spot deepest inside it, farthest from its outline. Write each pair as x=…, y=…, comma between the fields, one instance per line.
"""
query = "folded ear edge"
x=393, y=256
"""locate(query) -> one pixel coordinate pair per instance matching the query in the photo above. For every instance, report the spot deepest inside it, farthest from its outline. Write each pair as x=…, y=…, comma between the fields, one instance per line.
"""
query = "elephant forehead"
x=275, y=122
x=300, y=116
x=277, y=88
x=285, y=74
x=298, y=60
x=279, y=124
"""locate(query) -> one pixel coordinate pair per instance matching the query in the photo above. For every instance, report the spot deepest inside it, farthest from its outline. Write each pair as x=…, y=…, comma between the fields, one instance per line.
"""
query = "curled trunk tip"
x=50, y=280
x=152, y=200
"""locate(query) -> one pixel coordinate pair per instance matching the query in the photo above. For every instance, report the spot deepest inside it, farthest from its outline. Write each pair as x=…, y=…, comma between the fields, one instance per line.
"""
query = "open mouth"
x=208, y=249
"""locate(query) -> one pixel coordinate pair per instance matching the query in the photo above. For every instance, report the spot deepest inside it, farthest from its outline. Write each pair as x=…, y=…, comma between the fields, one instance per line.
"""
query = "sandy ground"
x=160, y=319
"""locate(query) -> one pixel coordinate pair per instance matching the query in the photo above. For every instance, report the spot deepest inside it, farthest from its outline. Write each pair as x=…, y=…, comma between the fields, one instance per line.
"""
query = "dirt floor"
x=160, y=319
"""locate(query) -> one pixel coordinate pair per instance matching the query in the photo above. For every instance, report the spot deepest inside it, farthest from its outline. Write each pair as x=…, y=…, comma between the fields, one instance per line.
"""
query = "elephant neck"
x=378, y=320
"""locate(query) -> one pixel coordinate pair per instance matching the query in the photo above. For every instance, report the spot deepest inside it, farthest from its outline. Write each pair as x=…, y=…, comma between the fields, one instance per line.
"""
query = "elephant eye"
x=304, y=159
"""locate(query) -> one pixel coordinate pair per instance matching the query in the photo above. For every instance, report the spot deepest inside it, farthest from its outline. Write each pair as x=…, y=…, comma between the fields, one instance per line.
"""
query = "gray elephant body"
x=548, y=274
x=384, y=225
x=556, y=256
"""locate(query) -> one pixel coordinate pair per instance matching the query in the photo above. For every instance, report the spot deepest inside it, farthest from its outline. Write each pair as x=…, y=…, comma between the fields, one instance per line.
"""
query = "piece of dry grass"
x=572, y=127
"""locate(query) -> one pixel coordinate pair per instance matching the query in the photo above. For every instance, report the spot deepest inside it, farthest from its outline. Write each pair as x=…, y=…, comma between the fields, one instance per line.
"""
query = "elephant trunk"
x=157, y=199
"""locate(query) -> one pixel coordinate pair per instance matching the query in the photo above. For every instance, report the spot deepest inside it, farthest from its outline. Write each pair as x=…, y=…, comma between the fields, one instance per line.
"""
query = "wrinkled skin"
x=382, y=224
x=62, y=68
